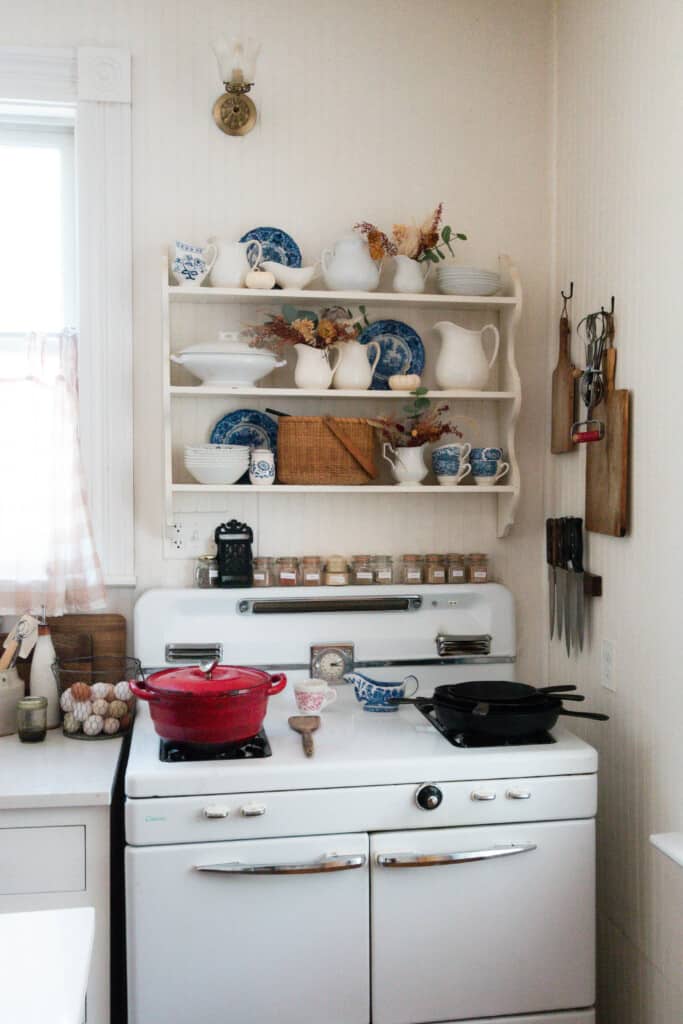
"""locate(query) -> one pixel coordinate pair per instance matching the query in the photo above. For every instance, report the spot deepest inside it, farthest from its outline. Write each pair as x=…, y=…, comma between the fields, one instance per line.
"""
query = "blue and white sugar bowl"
x=375, y=694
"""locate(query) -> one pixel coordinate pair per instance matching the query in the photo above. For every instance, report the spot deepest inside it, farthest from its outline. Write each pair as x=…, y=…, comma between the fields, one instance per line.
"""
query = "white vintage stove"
x=393, y=877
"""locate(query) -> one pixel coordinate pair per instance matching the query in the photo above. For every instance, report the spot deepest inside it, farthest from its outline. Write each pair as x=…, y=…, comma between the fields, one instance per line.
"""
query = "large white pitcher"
x=232, y=262
x=349, y=266
x=314, y=370
x=354, y=371
x=462, y=362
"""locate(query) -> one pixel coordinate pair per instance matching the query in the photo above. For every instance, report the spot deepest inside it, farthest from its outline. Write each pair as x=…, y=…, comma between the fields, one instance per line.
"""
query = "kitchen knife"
x=569, y=598
x=549, y=533
x=576, y=552
x=560, y=578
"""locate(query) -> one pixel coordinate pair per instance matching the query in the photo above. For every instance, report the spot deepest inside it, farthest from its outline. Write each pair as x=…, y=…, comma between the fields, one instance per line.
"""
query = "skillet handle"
x=595, y=715
x=140, y=689
x=277, y=683
x=555, y=689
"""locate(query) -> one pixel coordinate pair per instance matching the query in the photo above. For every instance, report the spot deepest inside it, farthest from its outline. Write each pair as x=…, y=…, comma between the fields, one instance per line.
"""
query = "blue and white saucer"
x=401, y=350
x=277, y=245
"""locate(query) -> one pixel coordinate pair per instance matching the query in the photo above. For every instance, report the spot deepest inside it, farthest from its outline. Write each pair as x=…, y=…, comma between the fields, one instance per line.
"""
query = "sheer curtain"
x=47, y=552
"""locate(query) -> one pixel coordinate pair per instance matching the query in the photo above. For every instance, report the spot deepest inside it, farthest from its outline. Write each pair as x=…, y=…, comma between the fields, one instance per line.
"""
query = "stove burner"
x=464, y=739
x=172, y=752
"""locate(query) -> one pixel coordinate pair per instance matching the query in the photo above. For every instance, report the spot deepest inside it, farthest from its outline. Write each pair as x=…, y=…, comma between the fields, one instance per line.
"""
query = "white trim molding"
x=98, y=81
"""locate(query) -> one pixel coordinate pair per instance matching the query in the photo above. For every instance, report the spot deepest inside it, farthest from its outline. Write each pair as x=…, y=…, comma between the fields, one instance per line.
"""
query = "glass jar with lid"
x=264, y=572
x=456, y=568
x=32, y=719
x=312, y=571
x=287, y=574
x=478, y=568
x=412, y=569
x=383, y=568
x=336, y=572
x=206, y=571
x=435, y=569
x=361, y=570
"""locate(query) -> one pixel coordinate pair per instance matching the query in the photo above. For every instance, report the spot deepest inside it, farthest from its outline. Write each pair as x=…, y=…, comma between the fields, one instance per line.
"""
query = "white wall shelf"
x=670, y=844
x=196, y=311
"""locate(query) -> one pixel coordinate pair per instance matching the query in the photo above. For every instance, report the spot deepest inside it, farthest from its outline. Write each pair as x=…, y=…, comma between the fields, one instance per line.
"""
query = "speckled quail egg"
x=93, y=725
x=111, y=725
x=66, y=701
x=122, y=691
x=118, y=708
x=71, y=723
x=81, y=710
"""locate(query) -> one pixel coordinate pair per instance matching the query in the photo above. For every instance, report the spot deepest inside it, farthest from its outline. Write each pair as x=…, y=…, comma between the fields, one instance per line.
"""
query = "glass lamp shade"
x=236, y=61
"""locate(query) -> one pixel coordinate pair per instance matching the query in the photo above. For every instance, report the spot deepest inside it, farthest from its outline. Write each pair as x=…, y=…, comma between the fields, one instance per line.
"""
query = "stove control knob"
x=428, y=797
x=216, y=811
x=252, y=810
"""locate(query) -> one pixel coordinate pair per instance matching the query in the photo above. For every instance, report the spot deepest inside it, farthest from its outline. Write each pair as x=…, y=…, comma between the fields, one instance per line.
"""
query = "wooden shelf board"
x=176, y=293
x=329, y=489
x=197, y=391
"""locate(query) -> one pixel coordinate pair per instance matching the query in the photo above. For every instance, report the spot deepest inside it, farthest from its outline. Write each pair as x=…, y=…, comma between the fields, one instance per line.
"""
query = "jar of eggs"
x=95, y=696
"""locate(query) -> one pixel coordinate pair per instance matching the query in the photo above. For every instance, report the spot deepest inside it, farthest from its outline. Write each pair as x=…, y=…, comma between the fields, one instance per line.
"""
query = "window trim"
x=97, y=80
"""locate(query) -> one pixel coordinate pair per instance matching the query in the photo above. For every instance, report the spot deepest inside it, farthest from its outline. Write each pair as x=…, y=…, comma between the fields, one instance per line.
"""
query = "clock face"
x=332, y=661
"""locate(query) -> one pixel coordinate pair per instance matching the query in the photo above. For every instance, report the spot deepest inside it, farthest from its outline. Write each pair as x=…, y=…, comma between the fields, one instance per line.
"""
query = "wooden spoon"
x=306, y=725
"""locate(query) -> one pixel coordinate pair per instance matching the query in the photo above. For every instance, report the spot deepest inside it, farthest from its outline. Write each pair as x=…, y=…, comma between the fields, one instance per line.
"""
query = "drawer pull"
x=518, y=794
x=252, y=810
x=482, y=794
x=330, y=862
x=214, y=811
x=428, y=860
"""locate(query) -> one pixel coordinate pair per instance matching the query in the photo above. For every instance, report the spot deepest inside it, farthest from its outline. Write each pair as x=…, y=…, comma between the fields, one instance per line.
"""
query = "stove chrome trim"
x=428, y=860
x=329, y=862
x=193, y=652
x=450, y=644
x=306, y=605
x=294, y=666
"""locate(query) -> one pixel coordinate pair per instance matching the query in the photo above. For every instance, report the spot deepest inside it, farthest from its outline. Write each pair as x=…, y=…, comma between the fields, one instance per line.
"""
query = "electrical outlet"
x=191, y=535
x=608, y=673
x=176, y=539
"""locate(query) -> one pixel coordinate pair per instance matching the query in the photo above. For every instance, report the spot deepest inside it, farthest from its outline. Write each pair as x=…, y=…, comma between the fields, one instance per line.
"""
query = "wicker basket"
x=325, y=450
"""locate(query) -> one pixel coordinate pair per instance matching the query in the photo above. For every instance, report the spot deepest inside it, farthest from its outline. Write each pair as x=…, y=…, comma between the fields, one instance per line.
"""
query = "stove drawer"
x=165, y=820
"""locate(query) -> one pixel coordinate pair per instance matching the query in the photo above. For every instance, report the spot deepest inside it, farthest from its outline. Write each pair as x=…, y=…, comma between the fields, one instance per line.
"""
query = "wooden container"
x=325, y=450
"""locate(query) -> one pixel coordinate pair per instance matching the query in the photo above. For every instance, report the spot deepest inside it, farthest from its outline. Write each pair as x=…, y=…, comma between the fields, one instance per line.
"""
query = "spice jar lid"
x=477, y=557
x=412, y=558
x=337, y=563
x=32, y=703
x=206, y=558
x=311, y=558
x=434, y=558
x=454, y=554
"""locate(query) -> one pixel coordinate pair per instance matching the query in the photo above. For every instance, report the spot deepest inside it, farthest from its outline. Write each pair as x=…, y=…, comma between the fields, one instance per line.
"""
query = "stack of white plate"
x=216, y=463
x=467, y=281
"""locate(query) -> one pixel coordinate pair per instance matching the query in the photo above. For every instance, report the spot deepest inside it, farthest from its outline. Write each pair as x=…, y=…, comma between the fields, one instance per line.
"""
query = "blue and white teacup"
x=375, y=694
x=192, y=263
x=449, y=462
x=486, y=454
x=487, y=472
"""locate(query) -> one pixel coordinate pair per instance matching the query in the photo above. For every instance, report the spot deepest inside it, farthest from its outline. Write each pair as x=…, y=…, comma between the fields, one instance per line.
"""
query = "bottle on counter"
x=42, y=682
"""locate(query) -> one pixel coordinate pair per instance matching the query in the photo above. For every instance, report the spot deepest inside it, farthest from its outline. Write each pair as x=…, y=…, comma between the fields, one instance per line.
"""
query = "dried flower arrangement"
x=423, y=243
x=303, y=327
x=422, y=424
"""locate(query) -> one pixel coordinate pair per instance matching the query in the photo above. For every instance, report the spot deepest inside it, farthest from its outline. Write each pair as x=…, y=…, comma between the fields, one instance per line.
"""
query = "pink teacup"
x=313, y=695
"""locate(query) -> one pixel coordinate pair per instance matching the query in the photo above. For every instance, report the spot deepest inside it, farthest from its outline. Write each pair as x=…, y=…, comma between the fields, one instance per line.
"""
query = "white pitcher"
x=462, y=362
x=232, y=263
x=407, y=464
x=354, y=369
x=410, y=276
x=314, y=371
x=349, y=266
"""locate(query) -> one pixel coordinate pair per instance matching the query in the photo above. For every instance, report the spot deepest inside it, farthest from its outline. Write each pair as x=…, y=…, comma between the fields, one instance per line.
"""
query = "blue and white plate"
x=277, y=245
x=401, y=347
x=247, y=427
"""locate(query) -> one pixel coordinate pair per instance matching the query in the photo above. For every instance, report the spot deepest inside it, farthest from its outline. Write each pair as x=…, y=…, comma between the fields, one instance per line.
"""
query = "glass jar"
x=336, y=572
x=264, y=572
x=412, y=569
x=206, y=571
x=435, y=569
x=287, y=572
x=383, y=568
x=456, y=568
x=312, y=571
x=362, y=572
x=478, y=568
x=32, y=719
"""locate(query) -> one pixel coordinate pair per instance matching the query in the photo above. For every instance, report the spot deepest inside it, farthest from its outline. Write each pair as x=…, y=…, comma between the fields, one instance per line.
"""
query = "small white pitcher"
x=314, y=371
x=354, y=370
x=232, y=262
x=410, y=276
x=462, y=362
x=407, y=464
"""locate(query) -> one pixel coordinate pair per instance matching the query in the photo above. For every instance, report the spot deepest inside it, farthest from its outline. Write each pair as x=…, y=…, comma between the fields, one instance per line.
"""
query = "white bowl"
x=228, y=369
x=291, y=277
x=218, y=474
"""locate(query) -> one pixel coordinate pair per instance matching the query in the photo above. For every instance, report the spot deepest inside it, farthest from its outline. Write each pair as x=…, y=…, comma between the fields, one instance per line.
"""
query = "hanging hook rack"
x=566, y=298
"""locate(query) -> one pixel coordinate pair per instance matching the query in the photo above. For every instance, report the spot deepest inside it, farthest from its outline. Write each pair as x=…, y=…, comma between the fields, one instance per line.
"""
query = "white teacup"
x=313, y=695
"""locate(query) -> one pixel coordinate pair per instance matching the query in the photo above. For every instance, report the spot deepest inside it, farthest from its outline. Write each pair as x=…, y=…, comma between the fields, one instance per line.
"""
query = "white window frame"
x=97, y=80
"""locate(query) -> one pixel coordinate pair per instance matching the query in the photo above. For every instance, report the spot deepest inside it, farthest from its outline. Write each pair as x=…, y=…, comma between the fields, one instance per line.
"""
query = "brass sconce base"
x=234, y=113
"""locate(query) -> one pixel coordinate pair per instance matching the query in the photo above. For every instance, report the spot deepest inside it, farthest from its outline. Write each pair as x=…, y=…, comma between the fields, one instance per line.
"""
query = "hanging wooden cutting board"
x=563, y=395
x=607, y=461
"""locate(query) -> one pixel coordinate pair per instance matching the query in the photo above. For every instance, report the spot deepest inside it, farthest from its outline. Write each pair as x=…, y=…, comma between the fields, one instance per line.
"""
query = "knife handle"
x=554, y=542
x=563, y=542
x=576, y=543
x=549, y=541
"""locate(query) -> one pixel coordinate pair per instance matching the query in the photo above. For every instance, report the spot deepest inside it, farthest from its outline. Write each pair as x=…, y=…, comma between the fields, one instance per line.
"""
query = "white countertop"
x=59, y=772
x=45, y=958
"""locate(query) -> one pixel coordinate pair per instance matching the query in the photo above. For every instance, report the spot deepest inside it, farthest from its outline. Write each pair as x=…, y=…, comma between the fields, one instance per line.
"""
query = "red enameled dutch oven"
x=210, y=703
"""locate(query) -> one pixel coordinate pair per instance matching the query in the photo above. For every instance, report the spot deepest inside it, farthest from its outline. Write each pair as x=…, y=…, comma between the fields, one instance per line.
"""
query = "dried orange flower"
x=326, y=329
x=407, y=238
x=305, y=328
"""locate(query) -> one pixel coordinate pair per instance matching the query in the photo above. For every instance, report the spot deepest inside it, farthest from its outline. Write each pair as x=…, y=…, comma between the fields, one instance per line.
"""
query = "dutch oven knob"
x=207, y=667
x=428, y=797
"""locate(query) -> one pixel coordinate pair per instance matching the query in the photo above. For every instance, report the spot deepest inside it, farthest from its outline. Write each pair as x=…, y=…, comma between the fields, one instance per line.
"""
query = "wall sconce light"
x=234, y=112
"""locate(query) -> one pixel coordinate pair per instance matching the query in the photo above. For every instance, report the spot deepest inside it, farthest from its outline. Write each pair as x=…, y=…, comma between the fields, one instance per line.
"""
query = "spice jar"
x=287, y=572
x=336, y=572
x=32, y=719
x=206, y=571
x=383, y=569
x=478, y=568
x=456, y=569
x=361, y=570
x=412, y=569
x=312, y=571
x=264, y=572
x=435, y=569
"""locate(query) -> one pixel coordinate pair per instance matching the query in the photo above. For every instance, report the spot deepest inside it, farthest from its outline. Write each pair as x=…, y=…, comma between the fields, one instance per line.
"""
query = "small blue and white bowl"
x=375, y=694
x=486, y=472
x=486, y=454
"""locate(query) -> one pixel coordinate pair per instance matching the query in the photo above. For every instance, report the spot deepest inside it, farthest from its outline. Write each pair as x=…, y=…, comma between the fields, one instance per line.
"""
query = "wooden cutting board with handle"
x=563, y=395
x=607, y=461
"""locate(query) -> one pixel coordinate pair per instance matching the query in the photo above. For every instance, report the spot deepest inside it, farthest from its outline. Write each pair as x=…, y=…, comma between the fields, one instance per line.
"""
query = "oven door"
x=251, y=932
x=482, y=922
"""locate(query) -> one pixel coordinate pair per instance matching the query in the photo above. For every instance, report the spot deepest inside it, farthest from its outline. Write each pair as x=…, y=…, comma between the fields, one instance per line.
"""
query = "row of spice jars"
x=337, y=571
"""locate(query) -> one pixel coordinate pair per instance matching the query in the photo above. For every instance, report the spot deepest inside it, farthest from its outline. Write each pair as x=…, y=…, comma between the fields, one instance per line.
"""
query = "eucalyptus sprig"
x=434, y=253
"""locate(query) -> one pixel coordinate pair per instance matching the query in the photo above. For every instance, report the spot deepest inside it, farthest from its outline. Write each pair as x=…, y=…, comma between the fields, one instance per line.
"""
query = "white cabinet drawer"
x=35, y=860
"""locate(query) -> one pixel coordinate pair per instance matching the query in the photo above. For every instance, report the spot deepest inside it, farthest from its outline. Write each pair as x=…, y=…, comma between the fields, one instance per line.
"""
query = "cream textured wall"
x=619, y=220
x=368, y=108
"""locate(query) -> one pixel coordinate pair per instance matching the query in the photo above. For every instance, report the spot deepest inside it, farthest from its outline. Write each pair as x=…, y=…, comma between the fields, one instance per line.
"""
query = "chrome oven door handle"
x=428, y=860
x=330, y=862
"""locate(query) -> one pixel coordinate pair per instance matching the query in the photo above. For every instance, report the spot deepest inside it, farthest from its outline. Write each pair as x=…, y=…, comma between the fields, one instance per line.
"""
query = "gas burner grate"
x=462, y=739
x=172, y=752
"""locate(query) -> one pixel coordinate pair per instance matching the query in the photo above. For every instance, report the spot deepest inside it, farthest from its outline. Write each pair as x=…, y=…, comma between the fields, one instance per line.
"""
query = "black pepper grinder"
x=233, y=541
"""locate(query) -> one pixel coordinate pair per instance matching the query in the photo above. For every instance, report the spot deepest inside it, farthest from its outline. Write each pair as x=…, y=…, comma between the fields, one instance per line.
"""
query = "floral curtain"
x=47, y=551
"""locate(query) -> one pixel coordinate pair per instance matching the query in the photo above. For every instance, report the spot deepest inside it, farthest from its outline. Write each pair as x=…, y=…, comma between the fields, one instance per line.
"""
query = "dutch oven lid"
x=208, y=680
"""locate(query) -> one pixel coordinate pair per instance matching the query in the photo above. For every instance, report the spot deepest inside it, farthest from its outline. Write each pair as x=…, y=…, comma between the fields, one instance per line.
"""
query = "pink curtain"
x=47, y=551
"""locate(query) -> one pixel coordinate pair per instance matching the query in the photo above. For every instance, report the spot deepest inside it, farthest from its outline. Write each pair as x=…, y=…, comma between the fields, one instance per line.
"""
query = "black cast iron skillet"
x=494, y=691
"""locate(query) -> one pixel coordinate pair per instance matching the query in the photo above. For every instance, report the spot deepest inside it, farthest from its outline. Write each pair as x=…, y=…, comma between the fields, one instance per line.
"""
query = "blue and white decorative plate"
x=248, y=427
x=401, y=347
x=277, y=246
